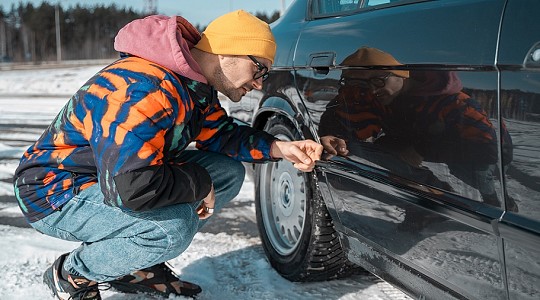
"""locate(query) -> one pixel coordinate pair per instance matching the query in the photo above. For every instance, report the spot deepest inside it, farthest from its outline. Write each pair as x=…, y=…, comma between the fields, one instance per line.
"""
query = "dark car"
x=429, y=112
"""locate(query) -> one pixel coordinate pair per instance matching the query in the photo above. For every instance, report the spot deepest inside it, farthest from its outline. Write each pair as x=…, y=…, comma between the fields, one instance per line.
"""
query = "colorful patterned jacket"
x=124, y=130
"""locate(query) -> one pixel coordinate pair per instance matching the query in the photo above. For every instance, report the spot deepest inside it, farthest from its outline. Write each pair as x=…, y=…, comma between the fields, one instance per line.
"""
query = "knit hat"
x=238, y=33
x=366, y=56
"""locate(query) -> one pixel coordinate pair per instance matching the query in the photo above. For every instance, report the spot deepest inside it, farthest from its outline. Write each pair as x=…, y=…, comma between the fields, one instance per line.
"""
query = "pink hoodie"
x=430, y=83
x=163, y=40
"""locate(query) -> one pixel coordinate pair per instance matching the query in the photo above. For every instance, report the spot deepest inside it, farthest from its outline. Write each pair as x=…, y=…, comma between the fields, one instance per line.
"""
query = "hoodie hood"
x=433, y=83
x=163, y=40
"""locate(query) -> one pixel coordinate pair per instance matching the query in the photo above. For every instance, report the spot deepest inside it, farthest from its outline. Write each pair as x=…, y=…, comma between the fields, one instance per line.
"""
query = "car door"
x=421, y=181
x=519, y=62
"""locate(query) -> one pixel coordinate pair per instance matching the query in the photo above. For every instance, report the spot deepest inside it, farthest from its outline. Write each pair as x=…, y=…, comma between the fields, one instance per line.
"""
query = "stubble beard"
x=224, y=85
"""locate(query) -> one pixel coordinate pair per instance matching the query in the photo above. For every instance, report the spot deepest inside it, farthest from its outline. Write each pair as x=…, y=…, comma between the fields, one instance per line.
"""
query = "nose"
x=257, y=83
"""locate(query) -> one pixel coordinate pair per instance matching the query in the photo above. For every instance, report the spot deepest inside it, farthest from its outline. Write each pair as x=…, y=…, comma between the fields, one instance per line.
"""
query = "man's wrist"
x=275, y=153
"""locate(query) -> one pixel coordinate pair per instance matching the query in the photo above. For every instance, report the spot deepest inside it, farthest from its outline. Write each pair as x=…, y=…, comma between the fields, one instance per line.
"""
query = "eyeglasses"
x=377, y=82
x=262, y=70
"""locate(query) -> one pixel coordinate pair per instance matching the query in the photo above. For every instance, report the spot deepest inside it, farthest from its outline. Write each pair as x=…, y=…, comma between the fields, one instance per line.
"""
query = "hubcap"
x=283, y=204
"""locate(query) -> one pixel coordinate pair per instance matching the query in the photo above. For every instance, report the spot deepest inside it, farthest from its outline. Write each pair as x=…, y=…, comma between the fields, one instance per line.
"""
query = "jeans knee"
x=228, y=184
x=238, y=173
x=168, y=238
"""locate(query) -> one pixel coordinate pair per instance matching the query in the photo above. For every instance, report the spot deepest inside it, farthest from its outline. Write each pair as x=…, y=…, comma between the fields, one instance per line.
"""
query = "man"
x=417, y=116
x=112, y=170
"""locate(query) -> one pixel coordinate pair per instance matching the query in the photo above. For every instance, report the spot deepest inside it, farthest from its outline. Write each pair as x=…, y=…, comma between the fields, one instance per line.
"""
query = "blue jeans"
x=116, y=243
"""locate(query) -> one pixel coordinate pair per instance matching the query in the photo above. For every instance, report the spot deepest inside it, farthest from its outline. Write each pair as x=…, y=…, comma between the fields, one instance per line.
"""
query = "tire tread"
x=324, y=258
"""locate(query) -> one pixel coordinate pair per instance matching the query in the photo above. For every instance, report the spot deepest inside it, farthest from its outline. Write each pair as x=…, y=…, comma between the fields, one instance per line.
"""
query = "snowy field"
x=226, y=265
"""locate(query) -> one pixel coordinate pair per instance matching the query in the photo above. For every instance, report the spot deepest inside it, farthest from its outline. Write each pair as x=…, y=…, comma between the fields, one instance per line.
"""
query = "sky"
x=198, y=12
x=227, y=264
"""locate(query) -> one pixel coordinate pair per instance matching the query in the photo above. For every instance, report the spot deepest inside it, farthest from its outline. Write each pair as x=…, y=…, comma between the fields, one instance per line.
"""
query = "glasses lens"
x=261, y=74
x=262, y=70
x=378, y=82
x=356, y=82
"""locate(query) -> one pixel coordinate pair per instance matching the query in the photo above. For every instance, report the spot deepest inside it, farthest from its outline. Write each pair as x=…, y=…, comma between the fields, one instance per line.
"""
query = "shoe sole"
x=133, y=289
x=50, y=281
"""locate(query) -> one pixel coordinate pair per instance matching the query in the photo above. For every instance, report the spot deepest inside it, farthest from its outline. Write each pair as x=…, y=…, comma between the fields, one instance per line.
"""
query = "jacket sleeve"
x=221, y=134
x=128, y=140
x=360, y=119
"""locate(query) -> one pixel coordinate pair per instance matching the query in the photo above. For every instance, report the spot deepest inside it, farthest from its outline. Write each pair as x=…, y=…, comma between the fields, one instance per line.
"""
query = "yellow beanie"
x=367, y=56
x=238, y=33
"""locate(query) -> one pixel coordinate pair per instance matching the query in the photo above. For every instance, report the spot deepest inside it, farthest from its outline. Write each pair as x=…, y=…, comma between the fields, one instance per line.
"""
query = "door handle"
x=322, y=62
x=532, y=60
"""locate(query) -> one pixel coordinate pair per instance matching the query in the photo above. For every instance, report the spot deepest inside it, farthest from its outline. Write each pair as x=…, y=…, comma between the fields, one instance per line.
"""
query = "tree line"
x=28, y=32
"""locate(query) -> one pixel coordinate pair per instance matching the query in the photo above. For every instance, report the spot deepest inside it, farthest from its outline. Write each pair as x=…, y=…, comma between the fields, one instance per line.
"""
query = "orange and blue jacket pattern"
x=124, y=130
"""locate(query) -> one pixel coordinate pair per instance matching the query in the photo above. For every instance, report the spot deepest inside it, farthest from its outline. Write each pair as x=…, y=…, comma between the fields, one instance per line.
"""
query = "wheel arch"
x=274, y=106
x=277, y=106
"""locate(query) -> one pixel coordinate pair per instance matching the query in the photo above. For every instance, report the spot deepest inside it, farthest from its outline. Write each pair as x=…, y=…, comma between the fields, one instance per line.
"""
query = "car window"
x=377, y=2
x=324, y=8
x=369, y=3
x=330, y=7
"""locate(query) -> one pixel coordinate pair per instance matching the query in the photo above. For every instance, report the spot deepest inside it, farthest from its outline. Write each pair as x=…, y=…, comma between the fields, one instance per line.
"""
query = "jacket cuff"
x=157, y=186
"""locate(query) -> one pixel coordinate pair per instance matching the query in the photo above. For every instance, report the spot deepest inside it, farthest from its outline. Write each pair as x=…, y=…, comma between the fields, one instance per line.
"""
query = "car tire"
x=296, y=230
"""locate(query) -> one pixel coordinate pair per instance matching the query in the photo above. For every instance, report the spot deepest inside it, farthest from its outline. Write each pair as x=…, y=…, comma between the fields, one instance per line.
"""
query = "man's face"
x=234, y=76
x=384, y=86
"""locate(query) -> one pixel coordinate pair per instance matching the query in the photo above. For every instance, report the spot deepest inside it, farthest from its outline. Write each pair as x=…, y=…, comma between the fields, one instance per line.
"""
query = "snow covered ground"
x=226, y=265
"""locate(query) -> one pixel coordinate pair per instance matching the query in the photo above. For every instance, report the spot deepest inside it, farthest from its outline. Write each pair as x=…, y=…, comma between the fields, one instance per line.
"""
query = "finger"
x=202, y=213
x=330, y=150
x=328, y=147
x=204, y=216
x=312, y=147
x=326, y=143
x=344, y=152
x=304, y=167
x=317, y=152
x=296, y=155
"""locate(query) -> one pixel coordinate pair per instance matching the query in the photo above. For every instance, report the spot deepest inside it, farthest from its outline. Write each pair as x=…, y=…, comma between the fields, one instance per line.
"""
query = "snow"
x=227, y=266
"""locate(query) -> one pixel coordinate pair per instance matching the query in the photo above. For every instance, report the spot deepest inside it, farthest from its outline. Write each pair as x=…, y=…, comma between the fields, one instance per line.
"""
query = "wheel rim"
x=283, y=204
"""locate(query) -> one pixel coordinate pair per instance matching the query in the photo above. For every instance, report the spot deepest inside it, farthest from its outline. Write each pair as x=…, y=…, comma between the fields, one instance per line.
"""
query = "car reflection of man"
x=420, y=116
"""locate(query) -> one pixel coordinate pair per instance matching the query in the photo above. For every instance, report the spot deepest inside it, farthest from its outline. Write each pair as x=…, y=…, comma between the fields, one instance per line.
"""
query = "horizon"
x=200, y=12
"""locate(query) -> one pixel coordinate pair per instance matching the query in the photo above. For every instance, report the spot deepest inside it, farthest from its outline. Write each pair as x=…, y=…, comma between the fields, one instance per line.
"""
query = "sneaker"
x=159, y=280
x=74, y=287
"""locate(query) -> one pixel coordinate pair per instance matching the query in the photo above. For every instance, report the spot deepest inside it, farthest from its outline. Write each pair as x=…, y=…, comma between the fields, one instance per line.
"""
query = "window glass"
x=335, y=7
x=377, y=2
x=380, y=2
x=326, y=7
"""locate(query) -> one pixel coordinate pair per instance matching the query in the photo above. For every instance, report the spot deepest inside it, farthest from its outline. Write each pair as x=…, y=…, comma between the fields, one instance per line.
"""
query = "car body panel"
x=519, y=62
x=380, y=201
x=460, y=225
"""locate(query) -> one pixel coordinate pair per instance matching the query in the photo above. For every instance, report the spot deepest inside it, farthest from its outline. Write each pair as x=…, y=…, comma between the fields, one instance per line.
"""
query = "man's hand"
x=334, y=145
x=302, y=154
x=206, y=209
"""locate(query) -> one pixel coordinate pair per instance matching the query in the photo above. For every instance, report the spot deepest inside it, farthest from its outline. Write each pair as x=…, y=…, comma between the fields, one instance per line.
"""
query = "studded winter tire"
x=296, y=230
